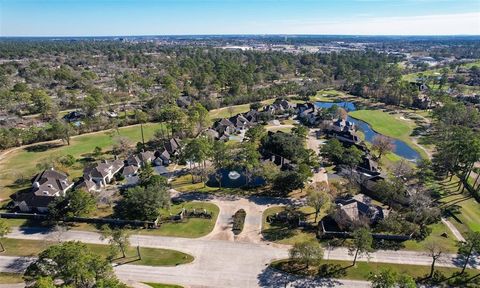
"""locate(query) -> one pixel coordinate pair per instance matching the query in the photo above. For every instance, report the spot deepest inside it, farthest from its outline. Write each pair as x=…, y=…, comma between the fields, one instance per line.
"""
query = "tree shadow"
x=20, y=264
x=273, y=278
x=43, y=147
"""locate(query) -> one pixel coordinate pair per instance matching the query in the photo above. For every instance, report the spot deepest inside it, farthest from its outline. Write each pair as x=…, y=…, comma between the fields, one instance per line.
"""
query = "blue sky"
x=174, y=17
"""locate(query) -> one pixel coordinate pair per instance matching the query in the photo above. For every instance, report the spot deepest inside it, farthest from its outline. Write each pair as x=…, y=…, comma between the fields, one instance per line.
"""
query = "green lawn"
x=284, y=234
x=158, y=285
x=184, y=184
x=362, y=270
x=226, y=112
x=190, y=228
x=23, y=161
x=10, y=278
x=389, y=125
x=150, y=256
x=448, y=243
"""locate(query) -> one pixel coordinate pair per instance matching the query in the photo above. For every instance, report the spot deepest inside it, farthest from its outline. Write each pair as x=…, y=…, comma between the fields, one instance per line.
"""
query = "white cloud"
x=450, y=24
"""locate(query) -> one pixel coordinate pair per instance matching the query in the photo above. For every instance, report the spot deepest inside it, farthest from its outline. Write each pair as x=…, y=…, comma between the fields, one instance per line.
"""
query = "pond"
x=233, y=179
x=401, y=148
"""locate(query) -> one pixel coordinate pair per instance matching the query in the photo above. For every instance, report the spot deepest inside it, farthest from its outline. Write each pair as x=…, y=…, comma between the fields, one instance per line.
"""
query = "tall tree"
x=362, y=243
x=118, y=239
x=436, y=252
x=318, y=197
x=469, y=247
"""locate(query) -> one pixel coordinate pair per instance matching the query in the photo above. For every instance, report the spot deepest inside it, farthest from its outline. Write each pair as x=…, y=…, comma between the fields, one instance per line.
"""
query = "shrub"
x=238, y=221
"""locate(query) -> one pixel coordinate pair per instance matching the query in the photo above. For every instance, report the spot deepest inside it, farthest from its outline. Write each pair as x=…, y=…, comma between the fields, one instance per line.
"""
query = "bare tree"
x=435, y=251
x=382, y=145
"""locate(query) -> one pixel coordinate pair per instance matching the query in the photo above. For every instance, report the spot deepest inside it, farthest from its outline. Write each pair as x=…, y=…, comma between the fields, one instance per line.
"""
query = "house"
x=368, y=166
x=252, y=116
x=343, y=125
x=278, y=107
x=240, y=122
x=212, y=134
x=88, y=185
x=357, y=209
x=173, y=146
x=45, y=187
x=349, y=136
x=103, y=172
x=162, y=158
x=224, y=127
x=307, y=113
x=133, y=160
x=130, y=170
x=146, y=157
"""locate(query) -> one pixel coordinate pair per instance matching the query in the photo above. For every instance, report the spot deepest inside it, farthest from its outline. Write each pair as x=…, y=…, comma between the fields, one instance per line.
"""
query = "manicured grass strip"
x=159, y=285
x=150, y=256
x=388, y=125
x=10, y=278
x=188, y=228
x=362, y=270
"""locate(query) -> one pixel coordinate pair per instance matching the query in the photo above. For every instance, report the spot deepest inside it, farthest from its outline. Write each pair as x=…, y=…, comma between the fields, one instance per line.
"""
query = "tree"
x=387, y=278
x=80, y=203
x=122, y=146
x=383, y=145
x=362, y=243
x=142, y=118
x=306, y=253
x=333, y=150
x=199, y=118
x=300, y=131
x=318, y=197
x=75, y=203
x=4, y=230
x=143, y=203
x=197, y=151
x=118, y=239
x=470, y=246
x=256, y=134
x=145, y=174
x=61, y=130
x=74, y=264
x=44, y=282
x=435, y=251
x=97, y=151
x=406, y=281
x=287, y=181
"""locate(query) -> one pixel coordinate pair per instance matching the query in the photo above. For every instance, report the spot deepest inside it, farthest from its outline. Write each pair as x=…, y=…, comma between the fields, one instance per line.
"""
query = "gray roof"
x=50, y=182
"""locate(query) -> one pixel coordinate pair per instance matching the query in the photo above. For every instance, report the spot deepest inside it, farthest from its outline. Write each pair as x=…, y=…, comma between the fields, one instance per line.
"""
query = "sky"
x=193, y=17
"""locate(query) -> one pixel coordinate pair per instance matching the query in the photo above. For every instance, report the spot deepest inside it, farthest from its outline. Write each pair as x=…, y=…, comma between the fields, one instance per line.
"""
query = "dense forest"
x=43, y=78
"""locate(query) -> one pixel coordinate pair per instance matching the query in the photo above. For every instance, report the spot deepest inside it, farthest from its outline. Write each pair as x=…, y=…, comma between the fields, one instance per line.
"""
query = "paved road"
x=220, y=263
x=134, y=274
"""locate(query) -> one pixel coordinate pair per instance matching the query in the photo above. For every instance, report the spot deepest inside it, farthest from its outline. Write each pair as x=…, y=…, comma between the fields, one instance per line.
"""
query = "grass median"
x=362, y=270
x=150, y=256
